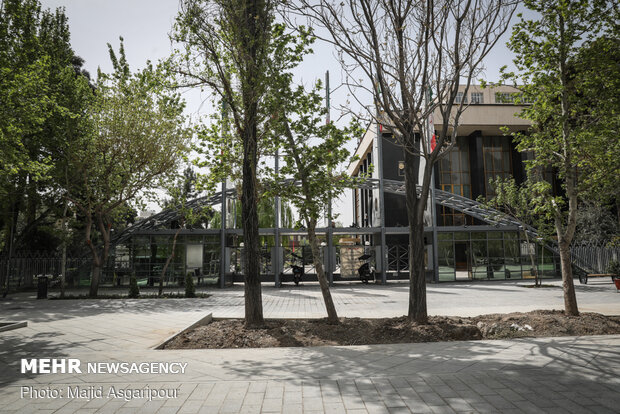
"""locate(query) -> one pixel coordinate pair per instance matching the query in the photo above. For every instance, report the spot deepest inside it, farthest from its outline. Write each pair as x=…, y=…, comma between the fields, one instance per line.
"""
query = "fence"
x=23, y=269
x=398, y=258
x=595, y=257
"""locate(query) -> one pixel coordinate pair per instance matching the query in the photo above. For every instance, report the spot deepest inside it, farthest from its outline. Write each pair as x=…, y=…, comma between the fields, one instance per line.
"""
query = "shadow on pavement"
x=547, y=375
x=53, y=310
x=41, y=345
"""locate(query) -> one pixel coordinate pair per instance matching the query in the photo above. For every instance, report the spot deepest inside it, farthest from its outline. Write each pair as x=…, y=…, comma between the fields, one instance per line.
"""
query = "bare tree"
x=405, y=49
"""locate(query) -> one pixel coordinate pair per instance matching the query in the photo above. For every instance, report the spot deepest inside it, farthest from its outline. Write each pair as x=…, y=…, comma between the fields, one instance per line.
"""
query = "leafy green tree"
x=231, y=47
x=521, y=203
x=595, y=77
x=547, y=55
x=313, y=152
x=44, y=94
x=596, y=224
x=138, y=136
x=190, y=288
x=181, y=191
x=24, y=91
x=134, y=289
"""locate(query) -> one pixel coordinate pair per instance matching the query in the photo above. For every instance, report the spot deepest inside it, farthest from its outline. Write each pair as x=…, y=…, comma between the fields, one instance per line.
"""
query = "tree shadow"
x=53, y=310
x=596, y=287
x=536, y=373
x=40, y=345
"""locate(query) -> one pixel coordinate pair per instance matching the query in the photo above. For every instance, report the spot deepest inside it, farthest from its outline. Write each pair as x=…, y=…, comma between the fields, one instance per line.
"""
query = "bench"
x=584, y=278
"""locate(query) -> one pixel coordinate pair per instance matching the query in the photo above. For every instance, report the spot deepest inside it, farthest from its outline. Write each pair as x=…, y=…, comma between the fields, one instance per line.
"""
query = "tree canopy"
x=570, y=121
x=313, y=152
x=235, y=48
x=138, y=135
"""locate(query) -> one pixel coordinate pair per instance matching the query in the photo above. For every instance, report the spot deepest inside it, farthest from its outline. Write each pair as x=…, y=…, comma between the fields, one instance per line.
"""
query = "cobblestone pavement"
x=563, y=375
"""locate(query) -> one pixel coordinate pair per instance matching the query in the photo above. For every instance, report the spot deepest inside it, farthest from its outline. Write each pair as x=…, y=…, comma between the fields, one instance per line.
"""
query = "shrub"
x=613, y=267
x=134, y=290
x=190, y=289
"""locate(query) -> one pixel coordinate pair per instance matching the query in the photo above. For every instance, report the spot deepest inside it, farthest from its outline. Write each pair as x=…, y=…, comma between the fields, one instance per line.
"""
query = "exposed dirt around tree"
x=230, y=333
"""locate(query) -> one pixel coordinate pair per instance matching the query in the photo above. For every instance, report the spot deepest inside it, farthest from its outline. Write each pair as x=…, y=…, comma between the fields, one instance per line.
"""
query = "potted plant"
x=614, y=269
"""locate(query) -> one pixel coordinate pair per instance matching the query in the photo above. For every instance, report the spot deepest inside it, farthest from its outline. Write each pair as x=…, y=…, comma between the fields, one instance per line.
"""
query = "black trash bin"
x=42, y=287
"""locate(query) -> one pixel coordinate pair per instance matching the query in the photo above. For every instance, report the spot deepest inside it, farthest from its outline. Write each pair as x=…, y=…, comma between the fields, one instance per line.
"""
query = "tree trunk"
x=533, y=262
x=253, y=66
x=10, y=237
x=417, y=275
x=566, y=237
x=99, y=261
x=63, y=263
x=570, y=300
x=94, y=279
x=163, y=271
x=249, y=216
x=332, y=316
x=31, y=200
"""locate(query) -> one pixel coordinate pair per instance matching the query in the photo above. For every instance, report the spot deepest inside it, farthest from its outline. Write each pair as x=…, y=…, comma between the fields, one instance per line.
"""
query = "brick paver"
x=569, y=374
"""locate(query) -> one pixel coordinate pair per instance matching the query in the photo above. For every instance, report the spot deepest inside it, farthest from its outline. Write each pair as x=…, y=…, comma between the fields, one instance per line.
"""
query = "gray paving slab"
x=568, y=374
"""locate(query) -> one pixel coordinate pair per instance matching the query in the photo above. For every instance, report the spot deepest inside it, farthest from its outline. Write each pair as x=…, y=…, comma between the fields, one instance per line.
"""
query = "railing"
x=398, y=258
x=595, y=256
x=24, y=268
x=236, y=260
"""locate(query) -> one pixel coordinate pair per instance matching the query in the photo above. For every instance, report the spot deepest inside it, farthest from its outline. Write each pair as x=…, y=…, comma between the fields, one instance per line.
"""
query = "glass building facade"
x=468, y=247
x=146, y=256
x=492, y=255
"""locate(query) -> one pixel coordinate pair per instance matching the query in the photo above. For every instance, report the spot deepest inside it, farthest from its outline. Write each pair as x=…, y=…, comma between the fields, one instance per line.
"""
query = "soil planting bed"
x=230, y=333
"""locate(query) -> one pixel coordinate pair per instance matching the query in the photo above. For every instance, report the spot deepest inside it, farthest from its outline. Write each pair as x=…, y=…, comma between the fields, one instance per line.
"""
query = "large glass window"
x=193, y=254
x=548, y=266
x=455, y=178
x=497, y=161
x=479, y=259
x=512, y=255
x=446, y=261
x=496, y=258
x=492, y=255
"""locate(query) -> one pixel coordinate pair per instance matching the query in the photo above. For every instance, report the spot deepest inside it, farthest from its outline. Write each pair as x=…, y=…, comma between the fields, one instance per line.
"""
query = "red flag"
x=431, y=126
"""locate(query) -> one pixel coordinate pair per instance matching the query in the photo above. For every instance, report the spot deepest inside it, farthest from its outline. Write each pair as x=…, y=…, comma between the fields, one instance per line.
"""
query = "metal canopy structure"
x=161, y=222
x=165, y=217
x=465, y=205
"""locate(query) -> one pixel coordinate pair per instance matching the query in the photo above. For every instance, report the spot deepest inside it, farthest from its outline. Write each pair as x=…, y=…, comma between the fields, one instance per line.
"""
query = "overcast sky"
x=145, y=24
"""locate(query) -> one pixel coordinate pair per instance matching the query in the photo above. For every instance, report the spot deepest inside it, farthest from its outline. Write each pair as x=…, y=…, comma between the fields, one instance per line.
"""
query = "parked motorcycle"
x=298, y=271
x=366, y=271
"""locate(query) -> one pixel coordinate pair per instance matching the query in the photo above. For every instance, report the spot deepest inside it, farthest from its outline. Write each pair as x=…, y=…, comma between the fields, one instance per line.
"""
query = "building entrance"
x=462, y=263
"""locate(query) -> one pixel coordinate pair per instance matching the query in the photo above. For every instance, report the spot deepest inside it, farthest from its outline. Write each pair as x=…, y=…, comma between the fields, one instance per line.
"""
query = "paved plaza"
x=548, y=375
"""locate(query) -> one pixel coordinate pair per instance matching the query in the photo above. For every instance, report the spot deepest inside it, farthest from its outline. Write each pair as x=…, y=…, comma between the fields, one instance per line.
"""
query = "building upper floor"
x=482, y=152
x=487, y=110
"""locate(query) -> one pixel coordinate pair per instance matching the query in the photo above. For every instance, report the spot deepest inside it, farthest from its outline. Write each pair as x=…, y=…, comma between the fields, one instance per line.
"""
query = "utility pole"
x=8, y=262
x=276, y=245
x=223, y=209
x=430, y=127
x=328, y=255
x=383, y=247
